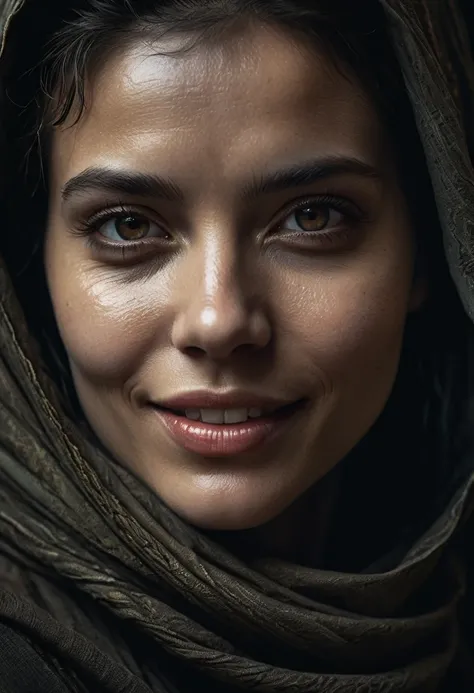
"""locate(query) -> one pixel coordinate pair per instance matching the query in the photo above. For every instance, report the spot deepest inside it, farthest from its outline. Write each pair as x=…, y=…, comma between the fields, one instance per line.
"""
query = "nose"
x=221, y=313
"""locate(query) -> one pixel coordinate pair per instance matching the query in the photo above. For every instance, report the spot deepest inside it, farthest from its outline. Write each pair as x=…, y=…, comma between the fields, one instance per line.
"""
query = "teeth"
x=194, y=414
x=212, y=416
x=235, y=416
x=221, y=416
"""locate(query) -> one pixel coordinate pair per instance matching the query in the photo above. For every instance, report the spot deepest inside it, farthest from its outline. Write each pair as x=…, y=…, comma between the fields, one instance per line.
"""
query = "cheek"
x=107, y=325
x=348, y=323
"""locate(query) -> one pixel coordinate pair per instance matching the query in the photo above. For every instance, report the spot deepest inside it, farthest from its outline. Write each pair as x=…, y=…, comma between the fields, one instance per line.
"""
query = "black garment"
x=22, y=669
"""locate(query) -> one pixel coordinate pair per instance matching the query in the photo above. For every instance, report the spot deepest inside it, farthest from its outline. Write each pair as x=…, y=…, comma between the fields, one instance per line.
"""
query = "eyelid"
x=82, y=220
x=121, y=210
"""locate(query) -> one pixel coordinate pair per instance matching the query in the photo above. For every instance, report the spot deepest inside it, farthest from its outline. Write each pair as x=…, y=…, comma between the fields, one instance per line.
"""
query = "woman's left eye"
x=130, y=227
x=312, y=218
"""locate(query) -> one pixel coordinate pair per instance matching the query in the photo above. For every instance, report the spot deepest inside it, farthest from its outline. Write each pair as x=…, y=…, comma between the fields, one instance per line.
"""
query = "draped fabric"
x=120, y=593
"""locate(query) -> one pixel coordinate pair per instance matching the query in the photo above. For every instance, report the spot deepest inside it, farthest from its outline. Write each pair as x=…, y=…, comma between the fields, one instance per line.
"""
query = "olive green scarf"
x=78, y=529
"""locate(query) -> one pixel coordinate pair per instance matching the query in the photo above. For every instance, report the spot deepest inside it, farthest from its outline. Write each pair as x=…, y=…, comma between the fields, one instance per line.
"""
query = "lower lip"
x=224, y=440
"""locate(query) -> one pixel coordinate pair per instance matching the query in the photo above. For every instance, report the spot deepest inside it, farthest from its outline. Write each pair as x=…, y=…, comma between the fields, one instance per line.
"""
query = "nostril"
x=220, y=331
x=194, y=352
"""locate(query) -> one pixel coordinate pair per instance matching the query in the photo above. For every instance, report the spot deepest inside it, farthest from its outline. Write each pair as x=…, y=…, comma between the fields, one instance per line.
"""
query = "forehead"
x=258, y=97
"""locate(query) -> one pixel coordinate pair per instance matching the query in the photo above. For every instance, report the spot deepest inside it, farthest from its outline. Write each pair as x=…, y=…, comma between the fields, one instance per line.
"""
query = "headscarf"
x=121, y=593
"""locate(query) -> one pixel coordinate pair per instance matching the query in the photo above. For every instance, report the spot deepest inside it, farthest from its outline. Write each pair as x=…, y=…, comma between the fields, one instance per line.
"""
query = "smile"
x=225, y=432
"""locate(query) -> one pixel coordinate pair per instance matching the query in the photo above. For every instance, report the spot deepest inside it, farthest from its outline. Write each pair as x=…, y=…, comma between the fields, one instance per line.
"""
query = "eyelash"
x=353, y=215
x=351, y=212
x=90, y=230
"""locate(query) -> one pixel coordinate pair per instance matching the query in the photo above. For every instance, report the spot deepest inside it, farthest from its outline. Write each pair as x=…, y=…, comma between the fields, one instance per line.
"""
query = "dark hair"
x=45, y=85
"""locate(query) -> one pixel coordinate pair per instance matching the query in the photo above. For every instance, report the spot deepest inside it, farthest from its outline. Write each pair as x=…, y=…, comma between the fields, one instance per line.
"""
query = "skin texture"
x=232, y=294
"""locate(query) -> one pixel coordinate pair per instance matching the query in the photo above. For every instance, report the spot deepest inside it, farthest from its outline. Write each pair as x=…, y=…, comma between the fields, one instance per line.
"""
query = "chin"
x=229, y=512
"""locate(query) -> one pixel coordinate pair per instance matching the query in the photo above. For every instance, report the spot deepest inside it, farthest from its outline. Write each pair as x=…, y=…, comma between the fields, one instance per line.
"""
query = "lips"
x=223, y=401
x=214, y=432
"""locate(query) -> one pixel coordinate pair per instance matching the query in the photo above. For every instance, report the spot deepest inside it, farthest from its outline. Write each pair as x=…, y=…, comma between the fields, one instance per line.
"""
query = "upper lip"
x=229, y=400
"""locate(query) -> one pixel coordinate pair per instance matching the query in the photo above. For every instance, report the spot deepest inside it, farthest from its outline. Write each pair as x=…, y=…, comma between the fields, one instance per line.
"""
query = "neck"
x=298, y=535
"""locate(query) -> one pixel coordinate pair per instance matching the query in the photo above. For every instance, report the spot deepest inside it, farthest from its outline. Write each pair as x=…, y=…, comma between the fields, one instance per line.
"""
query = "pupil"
x=313, y=218
x=131, y=228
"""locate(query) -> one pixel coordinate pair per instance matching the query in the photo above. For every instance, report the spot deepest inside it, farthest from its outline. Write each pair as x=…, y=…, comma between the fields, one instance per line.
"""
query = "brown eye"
x=130, y=227
x=313, y=218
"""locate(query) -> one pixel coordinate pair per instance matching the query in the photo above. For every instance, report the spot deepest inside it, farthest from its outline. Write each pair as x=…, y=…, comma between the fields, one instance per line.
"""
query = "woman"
x=235, y=445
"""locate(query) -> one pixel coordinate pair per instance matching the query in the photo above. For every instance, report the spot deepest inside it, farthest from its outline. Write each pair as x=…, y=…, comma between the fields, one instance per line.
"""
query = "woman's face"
x=226, y=233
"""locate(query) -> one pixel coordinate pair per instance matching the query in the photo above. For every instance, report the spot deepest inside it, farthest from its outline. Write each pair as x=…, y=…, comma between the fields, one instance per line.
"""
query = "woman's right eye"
x=130, y=227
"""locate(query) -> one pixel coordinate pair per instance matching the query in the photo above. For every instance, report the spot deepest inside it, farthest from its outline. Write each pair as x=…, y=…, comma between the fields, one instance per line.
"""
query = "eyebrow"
x=153, y=186
x=123, y=182
x=309, y=173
